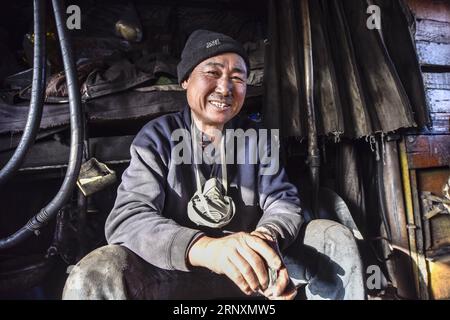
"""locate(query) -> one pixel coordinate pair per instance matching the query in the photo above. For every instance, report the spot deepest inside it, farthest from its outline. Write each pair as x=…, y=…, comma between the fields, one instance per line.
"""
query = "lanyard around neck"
x=196, y=163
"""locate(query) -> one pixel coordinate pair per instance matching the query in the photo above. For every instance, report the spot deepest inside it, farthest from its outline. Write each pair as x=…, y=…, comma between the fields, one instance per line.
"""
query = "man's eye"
x=238, y=79
x=213, y=73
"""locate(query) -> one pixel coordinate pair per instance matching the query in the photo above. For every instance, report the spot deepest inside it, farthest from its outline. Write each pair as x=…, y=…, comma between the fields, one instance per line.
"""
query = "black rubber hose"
x=37, y=96
x=382, y=197
x=76, y=142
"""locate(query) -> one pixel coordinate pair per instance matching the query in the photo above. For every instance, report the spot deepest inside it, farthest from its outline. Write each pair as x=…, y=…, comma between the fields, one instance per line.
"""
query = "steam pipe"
x=76, y=142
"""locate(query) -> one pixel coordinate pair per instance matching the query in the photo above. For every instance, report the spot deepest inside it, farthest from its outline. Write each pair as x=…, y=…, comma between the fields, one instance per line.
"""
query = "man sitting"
x=197, y=216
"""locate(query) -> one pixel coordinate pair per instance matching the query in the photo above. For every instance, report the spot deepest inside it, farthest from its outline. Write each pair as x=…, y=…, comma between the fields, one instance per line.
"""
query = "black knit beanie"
x=204, y=44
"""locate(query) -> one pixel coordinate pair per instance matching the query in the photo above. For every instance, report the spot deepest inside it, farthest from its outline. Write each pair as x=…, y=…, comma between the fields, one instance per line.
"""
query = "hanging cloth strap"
x=210, y=206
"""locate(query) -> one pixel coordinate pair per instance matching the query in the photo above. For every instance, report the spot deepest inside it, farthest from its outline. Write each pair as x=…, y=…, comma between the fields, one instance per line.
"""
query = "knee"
x=339, y=259
x=330, y=234
x=108, y=258
x=329, y=228
x=102, y=267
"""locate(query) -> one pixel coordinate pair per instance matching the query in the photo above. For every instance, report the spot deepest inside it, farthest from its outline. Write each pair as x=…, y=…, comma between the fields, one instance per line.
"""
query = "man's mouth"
x=220, y=104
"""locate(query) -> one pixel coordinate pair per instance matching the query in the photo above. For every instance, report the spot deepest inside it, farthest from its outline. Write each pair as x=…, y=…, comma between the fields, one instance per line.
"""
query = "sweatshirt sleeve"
x=136, y=220
x=278, y=197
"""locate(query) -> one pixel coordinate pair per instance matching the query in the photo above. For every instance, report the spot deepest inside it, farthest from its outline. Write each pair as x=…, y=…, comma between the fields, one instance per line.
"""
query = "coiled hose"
x=76, y=142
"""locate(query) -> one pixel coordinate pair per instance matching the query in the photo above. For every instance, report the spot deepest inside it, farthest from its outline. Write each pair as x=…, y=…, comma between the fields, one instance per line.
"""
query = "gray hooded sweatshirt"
x=149, y=216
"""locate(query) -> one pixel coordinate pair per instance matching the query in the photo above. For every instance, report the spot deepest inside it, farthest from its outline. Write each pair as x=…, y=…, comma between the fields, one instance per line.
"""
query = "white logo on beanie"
x=212, y=43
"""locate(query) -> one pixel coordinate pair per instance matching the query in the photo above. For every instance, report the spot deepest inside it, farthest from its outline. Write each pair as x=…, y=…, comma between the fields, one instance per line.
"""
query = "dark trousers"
x=324, y=262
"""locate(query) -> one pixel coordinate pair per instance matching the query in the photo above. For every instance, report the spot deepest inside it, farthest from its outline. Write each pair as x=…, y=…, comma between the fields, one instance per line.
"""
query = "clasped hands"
x=245, y=258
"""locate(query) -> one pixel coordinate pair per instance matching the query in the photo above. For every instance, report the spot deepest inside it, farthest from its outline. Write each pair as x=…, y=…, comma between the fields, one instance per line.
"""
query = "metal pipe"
x=37, y=96
x=395, y=214
x=411, y=227
x=313, y=150
x=76, y=142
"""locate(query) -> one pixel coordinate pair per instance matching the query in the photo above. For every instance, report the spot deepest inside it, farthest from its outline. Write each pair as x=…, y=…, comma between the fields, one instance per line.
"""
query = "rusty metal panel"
x=428, y=151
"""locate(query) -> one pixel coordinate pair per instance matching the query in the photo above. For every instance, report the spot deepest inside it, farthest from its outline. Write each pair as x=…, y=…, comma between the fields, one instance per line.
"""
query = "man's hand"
x=243, y=258
x=283, y=288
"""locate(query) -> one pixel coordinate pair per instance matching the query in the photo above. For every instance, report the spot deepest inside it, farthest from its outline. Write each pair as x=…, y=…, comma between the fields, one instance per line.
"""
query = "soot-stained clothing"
x=150, y=217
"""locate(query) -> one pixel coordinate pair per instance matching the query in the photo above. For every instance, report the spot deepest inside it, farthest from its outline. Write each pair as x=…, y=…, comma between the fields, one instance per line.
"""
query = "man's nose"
x=224, y=86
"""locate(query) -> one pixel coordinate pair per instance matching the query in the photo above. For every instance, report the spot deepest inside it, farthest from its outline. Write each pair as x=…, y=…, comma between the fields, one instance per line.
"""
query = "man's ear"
x=184, y=84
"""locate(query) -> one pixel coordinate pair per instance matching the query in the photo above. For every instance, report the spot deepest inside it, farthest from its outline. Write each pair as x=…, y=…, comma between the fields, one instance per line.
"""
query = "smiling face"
x=216, y=90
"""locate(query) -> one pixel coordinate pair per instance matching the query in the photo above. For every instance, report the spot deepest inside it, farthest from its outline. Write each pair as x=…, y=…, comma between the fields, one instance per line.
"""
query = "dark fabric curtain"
x=365, y=81
x=283, y=107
